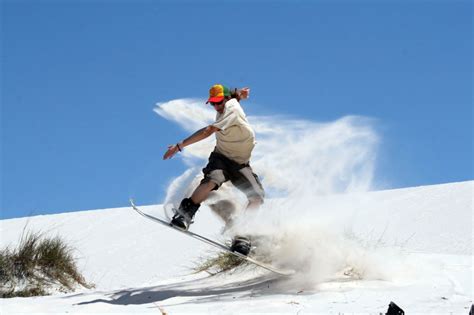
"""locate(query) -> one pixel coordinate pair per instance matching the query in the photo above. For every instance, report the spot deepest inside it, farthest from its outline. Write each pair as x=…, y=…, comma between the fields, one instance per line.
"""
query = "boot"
x=241, y=245
x=185, y=214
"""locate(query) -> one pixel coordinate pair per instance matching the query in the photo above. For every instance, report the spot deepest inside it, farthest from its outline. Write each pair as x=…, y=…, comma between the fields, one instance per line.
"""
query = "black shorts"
x=221, y=169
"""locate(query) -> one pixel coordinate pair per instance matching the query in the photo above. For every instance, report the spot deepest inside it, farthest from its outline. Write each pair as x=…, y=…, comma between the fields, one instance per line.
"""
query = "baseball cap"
x=217, y=93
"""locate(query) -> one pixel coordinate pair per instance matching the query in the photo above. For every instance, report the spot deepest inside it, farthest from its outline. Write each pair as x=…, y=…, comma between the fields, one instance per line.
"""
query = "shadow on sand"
x=210, y=288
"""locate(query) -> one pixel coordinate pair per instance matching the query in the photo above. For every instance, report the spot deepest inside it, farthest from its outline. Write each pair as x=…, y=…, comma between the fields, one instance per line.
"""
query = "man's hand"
x=195, y=137
x=172, y=150
x=244, y=93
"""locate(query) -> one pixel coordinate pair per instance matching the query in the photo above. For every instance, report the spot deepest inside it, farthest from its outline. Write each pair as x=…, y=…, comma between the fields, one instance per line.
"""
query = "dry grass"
x=37, y=265
x=220, y=263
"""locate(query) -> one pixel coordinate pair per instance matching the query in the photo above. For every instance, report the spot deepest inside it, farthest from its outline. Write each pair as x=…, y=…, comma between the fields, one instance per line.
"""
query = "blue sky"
x=80, y=79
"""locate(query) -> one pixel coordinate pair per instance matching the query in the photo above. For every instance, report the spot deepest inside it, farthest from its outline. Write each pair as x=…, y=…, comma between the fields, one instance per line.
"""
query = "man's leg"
x=202, y=191
x=188, y=207
x=247, y=182
x=254, y=203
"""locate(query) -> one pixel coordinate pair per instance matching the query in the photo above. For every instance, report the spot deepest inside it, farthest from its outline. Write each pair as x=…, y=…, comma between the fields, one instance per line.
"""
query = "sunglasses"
x=214, y=103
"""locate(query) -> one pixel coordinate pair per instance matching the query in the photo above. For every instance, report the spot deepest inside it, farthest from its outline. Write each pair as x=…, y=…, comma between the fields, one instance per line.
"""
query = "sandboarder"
x=229, y=160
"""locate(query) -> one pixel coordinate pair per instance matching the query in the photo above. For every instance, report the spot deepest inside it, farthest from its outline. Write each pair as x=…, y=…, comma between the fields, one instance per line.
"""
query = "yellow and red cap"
x=217, y=93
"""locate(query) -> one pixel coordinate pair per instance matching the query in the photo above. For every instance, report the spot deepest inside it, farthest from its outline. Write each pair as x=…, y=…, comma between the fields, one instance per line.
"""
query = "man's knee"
x=255, y=201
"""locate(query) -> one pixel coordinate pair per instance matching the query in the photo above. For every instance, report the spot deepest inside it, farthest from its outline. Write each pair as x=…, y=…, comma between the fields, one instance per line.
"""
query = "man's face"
x=219, y=106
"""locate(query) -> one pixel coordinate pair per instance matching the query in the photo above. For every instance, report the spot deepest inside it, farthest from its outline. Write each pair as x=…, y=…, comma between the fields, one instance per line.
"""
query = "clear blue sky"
x=80, y=79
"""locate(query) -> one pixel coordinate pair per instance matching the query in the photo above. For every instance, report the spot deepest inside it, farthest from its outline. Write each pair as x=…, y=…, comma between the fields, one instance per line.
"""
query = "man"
x=229, y=160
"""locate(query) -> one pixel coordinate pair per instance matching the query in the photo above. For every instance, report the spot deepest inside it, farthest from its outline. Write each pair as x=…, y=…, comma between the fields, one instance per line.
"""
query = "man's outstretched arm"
x=195, y=137
x=241, y=94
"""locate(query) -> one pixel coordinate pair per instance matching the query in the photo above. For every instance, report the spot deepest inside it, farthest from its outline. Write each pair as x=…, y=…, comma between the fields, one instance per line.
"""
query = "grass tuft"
x=38, y=265
x=220, y=263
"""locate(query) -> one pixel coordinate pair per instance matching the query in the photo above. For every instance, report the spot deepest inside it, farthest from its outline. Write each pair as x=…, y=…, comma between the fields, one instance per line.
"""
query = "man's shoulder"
x=233, y=105
x=233, y=102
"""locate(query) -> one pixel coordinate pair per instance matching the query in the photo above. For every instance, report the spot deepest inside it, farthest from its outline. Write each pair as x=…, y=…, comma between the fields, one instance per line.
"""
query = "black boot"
x=185, y=214
x=241, y=245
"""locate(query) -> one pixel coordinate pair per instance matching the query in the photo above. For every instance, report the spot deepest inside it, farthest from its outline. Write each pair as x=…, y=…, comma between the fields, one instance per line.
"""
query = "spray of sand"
x=299, y=162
